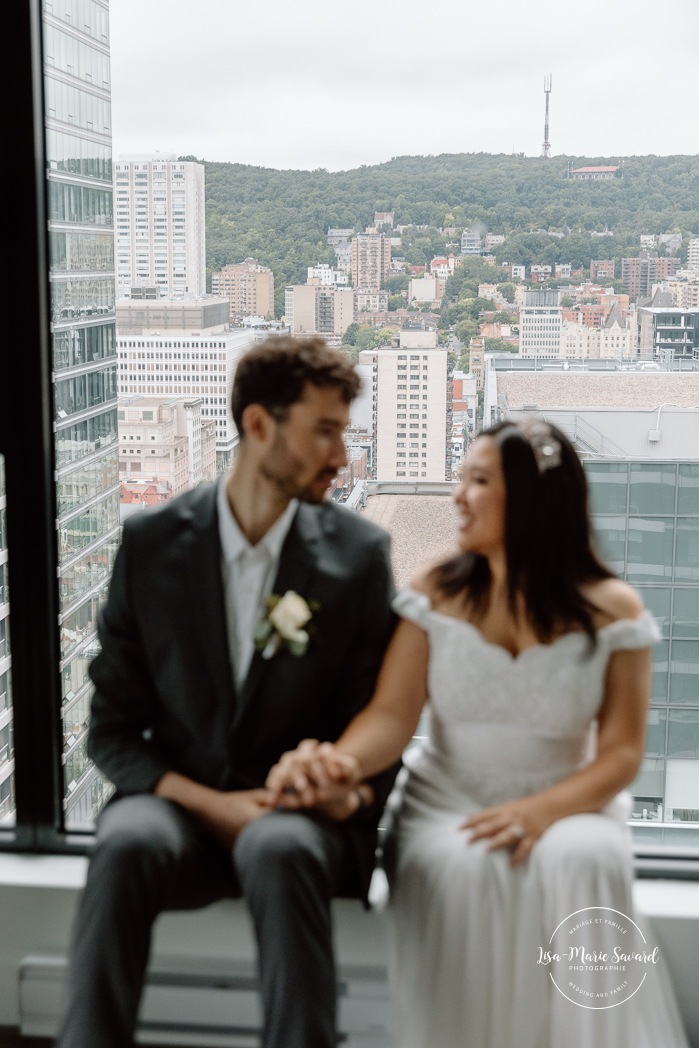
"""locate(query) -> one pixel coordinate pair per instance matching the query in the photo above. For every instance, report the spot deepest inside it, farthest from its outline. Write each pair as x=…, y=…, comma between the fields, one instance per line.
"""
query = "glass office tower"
x=81, y=246
x=646, y=517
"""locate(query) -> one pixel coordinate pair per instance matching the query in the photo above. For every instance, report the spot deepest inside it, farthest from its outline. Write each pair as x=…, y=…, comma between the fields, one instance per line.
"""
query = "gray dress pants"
x=151, y=856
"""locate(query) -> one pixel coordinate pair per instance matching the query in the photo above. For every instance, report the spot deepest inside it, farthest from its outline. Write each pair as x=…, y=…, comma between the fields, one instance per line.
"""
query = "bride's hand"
x=516, y=825
x=301, y=774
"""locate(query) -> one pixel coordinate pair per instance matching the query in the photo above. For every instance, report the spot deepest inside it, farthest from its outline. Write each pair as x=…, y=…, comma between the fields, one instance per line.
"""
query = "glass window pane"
x=657, y=600
x=682, y=781
x=651, y=488
x=655, y=733
x=649, y=549
x=684, y=677
x=687, y=552
x=660, y=668
x=84, y=353
x=648, y=789
x=688, y=498
x=686, y=614
x=610, y=536
x=607, y=483
x=7, y=765
x=683, y=734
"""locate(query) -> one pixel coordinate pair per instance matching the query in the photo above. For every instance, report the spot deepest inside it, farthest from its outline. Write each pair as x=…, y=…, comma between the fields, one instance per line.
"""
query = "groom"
x=210, y=669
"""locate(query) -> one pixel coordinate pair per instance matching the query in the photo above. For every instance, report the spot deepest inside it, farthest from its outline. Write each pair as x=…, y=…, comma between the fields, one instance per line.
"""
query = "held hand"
x=231, y=812
x=301, y=774
x=338, y=801
x=516, y=825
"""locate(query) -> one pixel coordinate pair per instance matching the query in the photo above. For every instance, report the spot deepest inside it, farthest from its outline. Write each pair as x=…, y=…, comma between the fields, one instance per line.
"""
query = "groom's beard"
x=292, y=478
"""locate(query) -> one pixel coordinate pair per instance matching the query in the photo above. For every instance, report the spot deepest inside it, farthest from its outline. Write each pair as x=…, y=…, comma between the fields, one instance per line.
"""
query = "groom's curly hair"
x=275, y=373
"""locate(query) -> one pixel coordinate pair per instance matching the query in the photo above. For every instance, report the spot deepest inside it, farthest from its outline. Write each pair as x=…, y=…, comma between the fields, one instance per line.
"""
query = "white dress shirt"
x=248, y=576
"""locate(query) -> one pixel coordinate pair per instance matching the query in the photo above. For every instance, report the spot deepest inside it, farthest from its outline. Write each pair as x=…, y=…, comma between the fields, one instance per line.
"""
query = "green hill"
x=281, y=217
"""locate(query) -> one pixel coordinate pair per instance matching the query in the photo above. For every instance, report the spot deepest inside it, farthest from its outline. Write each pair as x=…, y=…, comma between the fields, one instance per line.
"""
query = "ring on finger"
x=517, y=830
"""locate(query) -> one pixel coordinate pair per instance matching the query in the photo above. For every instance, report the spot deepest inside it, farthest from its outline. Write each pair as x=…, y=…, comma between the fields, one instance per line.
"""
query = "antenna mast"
x=546, y=148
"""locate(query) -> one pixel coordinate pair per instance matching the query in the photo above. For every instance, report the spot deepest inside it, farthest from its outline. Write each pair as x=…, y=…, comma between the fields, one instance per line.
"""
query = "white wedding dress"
x=467, y=926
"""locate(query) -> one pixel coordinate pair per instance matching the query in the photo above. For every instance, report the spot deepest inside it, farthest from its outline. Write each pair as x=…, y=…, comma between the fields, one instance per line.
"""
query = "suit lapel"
x=205, y=584
x=296, y=565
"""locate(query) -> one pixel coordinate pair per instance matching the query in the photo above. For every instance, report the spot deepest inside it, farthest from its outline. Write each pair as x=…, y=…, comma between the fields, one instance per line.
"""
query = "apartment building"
x=326, y=276
x=311, y=309
x=685, y=293
x=412, y=408
x=471, y=242
x=601, y=267
x=668, y=334
x=639, y=274
x=693, y=253
x=371, y=260
x=248, y=286
x=186, y=365
x=169, y=441
x=159, y=224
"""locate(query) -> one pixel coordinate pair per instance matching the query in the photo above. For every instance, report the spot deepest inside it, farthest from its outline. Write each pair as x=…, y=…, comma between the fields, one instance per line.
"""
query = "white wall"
x=38, y=897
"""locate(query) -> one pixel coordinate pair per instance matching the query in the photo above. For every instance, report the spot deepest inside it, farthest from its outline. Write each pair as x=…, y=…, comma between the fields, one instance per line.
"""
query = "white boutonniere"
x=282, y=625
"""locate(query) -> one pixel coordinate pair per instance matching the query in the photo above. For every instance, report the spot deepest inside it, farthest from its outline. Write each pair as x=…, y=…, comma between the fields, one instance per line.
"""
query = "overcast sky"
x=308, y=84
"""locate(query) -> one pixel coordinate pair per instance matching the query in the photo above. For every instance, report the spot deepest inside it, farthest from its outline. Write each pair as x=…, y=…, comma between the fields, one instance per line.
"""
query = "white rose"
x=289, y=615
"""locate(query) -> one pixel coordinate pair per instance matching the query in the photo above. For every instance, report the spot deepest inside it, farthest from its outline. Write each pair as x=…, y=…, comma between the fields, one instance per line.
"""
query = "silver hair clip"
x=547, y=450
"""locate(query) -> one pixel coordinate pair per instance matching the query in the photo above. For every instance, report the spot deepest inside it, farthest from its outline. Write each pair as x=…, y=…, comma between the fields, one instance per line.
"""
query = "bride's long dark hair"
x=548, y=539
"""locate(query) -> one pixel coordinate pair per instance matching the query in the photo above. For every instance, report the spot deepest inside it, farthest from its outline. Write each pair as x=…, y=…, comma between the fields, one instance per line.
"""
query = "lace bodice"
x=503, y=725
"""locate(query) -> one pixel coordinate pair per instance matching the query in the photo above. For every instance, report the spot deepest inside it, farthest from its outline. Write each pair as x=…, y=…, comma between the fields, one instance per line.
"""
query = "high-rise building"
x=371, y=260
x=160, y=238
x=248, y=286
x=187, y=365
x=668, y=334
x=168, y=441
x=693, y=254
x=540, y=322
x=312, y=309
x=81, y=241
x=412, y=409
x=639, y=274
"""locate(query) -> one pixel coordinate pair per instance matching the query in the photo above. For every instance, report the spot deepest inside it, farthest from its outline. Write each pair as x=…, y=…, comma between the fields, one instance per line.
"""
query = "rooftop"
x=621, y=389
x=422, y=529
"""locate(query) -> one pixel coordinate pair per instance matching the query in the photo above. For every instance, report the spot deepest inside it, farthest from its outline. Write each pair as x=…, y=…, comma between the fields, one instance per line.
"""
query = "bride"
x=512, y=885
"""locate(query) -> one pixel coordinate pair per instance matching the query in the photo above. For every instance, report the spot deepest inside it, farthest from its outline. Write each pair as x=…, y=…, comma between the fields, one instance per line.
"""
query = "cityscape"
x=457, y=314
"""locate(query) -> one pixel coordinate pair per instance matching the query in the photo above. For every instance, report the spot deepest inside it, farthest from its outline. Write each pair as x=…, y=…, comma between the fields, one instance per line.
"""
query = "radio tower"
x=546, y=148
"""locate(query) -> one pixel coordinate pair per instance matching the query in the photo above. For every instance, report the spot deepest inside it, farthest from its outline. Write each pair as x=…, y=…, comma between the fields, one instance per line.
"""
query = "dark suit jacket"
x=165, y=699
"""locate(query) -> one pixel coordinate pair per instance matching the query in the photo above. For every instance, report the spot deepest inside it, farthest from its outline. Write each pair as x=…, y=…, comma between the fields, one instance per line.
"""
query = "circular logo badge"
x=598, y=957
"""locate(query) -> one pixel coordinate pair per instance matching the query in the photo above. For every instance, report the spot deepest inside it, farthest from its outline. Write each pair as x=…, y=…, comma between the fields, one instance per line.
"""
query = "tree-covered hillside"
x=281, y=217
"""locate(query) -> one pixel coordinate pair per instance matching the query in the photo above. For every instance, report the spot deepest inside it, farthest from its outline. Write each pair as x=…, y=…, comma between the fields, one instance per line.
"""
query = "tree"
x=370, y=337
x=350, y=336
x=507, y=291
x=398, y=282
x=466, y=330
x=498, y=345
x=567, y=301
x=395, y=302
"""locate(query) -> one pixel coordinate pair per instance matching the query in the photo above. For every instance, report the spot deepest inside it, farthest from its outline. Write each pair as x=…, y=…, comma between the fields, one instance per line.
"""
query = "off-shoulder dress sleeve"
x=413, y=605
x=629, y=634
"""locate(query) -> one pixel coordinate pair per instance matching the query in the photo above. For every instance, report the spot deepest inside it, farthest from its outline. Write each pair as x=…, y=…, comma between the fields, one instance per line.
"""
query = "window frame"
x=27, y=444
x=29, y=454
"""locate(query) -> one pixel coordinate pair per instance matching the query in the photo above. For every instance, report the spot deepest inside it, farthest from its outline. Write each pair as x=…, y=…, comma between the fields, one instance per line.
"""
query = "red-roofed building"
x=594, y=172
